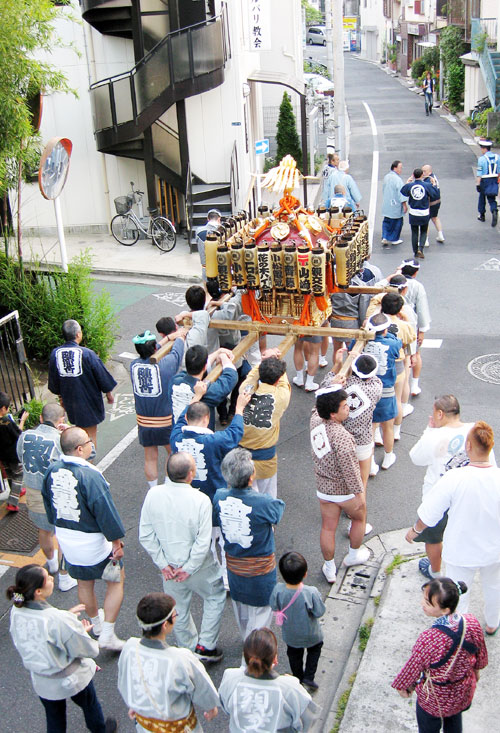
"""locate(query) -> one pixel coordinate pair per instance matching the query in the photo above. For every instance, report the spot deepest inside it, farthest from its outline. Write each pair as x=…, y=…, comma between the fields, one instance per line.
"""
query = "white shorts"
x=335, y=498
x=363, y=452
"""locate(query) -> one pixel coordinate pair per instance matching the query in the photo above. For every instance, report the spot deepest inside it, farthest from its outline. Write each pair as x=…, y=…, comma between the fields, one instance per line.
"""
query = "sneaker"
x=415, y=391
x=407, y=409
x=398, y=241
x=311, y=684
x=378, y=437
x=426, y=244
x=112, y=643
x=494, y=218
x=385, y=243
x=323, y=361
x=298, y=381
x=311, y=386
x=420, y=255
x=389, y=460
x=481, y=217
x=110, y=725
x=12, y=508
x=424, y=565
x=374, y=468
x=329, y=573
x=208, y=655
x=66, y=582
x=368, y=528
x=440, y=237
x=361, y=556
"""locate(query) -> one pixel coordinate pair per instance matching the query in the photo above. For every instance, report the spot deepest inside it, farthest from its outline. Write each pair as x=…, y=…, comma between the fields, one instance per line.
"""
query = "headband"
x=411, y=263
x=380, y=326
x=143, y=338
x=146, y=626
x=361, y=374
x=328, y=390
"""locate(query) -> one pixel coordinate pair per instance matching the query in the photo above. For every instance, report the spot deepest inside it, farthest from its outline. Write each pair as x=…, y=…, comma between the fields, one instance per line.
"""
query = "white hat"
x=344, y=165
x=483, y=143
x=412, y=263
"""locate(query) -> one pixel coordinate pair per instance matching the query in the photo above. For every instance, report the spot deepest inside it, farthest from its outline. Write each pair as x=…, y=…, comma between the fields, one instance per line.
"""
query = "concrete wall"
x=373, y=29
x=475, y=88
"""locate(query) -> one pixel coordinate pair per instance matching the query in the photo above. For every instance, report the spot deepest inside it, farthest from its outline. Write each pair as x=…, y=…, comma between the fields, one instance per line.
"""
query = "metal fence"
x=15, y=375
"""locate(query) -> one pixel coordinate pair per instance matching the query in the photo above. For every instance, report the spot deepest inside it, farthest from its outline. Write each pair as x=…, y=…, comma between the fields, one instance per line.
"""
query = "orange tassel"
x=321, y=302
x=305, y=318
x=329, y=278
x=251, y=307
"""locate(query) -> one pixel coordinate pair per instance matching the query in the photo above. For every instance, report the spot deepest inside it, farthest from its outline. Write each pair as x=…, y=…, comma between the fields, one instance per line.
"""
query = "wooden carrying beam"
x=355, y=351
x=238, y=351
x=285, y=328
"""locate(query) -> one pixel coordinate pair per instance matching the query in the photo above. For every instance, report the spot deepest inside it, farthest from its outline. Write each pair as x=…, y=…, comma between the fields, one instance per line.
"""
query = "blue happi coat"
x=80, y=378
x=246, y=519
x=76, y=496
x=208, y=449
x=182, y=392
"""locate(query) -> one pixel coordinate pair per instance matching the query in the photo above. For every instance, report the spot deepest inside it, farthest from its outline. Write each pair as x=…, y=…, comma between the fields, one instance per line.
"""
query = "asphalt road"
x=465, y=316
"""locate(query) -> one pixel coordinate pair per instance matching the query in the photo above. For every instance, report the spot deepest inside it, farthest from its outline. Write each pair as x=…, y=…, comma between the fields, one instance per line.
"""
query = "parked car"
x=316, y=35
x=320, y=86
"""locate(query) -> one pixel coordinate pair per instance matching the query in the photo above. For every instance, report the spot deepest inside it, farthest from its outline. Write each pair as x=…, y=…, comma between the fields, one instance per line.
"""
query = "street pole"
x=60, y=234
x=338, y=75
x=331, y=141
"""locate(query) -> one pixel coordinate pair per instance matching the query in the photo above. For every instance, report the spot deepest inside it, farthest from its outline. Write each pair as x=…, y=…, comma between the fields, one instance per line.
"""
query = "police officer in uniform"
x=487, y=181
x=213, y=223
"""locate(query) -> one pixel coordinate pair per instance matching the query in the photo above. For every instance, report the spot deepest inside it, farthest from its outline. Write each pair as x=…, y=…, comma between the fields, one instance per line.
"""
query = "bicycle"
x=126, y=225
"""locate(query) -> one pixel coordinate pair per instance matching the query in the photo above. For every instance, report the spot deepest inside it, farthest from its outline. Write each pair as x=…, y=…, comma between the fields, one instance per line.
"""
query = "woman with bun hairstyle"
x=55, y=648
x=445, y=661
x=258, y=698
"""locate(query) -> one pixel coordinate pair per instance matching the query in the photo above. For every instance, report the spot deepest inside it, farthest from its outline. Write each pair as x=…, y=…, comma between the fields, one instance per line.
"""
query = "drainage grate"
x=358, y=581
x=17, y=532
x=486, y=368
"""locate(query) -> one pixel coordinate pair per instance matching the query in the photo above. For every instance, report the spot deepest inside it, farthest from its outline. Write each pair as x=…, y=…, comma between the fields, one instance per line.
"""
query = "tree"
x=287, y=136
x=313, y=16
x=27, y=31
x=452, y=47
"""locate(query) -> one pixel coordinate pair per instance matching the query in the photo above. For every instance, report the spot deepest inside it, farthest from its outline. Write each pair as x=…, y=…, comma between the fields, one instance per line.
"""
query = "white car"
x=319, y=85
x=316, y=35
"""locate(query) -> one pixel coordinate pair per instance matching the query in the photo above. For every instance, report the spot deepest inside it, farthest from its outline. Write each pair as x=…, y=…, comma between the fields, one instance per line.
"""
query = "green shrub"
x=314, y=67
x=34, y=409
x=45, y=300
x=417, y=68
x=495, y=135
x=455, y=81
x=480, y=122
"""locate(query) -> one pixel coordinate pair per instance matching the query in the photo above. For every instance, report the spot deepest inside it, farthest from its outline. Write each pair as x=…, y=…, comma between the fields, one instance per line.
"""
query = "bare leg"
x=358, y=516
x=437, y=223
x=311, y=353
x=46, y=540
x=388, y=435
x=113, y=599
x=298, y=355
x=398, y=388
x=151, y=462
x=417, y=367
x=92, y=433
x=364, y=467
x=434, y=555
x=86, y=595
x=336, y=346
x=405, y=396
x=330, y=515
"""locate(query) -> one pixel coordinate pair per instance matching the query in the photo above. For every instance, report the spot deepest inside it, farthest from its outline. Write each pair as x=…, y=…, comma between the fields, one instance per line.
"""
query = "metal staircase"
x=127, y=107
x=483, y=35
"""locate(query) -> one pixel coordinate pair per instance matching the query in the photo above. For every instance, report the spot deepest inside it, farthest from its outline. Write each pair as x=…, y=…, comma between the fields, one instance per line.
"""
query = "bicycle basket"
x=123, y=204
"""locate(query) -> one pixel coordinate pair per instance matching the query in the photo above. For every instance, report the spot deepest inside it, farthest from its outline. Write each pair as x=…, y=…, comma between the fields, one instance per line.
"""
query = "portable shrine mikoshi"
x=288, y=262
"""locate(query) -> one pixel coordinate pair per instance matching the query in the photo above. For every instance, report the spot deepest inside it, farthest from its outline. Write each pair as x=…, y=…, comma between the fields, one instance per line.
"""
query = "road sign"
x=261, y=147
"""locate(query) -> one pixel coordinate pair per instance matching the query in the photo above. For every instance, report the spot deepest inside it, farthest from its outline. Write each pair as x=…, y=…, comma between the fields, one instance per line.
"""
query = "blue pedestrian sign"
x=261, y=147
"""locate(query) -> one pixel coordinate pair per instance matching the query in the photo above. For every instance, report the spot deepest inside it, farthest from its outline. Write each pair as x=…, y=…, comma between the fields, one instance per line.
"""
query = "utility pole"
x=331, y=139
x=338, y=73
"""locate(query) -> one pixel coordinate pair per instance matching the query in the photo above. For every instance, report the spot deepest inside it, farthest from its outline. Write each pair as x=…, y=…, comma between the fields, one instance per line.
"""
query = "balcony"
x=184, y=63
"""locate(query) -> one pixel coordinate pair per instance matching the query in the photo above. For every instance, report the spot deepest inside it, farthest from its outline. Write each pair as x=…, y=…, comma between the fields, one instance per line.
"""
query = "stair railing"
x=181, y=56
x=481, y=28
x=189, y=203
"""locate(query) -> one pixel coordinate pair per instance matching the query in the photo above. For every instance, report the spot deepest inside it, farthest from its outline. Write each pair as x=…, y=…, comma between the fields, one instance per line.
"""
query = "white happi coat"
x=276, y=704
x=162, y=682
x=54, y=648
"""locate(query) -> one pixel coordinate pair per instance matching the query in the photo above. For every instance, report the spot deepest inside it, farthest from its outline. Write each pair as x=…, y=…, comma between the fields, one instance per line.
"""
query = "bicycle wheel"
x=124, y=230
x=163, y=233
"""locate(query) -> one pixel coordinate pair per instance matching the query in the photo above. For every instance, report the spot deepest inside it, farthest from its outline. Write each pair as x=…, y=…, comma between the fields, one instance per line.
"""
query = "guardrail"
x=481, y=28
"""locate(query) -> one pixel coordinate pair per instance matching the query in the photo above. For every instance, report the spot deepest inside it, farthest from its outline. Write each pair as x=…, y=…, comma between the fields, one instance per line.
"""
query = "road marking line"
x=431, y=343
x=374, y=181
x=115, y=452
x=128, y=355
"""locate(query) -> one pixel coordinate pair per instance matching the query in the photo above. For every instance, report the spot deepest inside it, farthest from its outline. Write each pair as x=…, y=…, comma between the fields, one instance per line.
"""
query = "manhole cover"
x=17, y=532
x=358, y=581
x=486, y=368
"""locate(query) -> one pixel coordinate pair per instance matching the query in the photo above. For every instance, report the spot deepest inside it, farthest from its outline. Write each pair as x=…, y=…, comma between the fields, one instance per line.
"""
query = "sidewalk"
x=393, y=603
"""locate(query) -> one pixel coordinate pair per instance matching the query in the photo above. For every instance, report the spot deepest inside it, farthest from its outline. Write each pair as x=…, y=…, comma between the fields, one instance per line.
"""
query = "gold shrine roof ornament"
x=284, y=177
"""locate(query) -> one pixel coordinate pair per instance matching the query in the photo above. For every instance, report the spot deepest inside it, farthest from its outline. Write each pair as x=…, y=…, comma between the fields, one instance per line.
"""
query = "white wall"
x=371, y=18
x=475, y=88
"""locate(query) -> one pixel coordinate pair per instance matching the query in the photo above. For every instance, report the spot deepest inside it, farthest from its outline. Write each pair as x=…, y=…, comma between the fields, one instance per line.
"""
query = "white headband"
x=146, y=626
x=380, y=326
x=327, y=390
x=361, y=374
